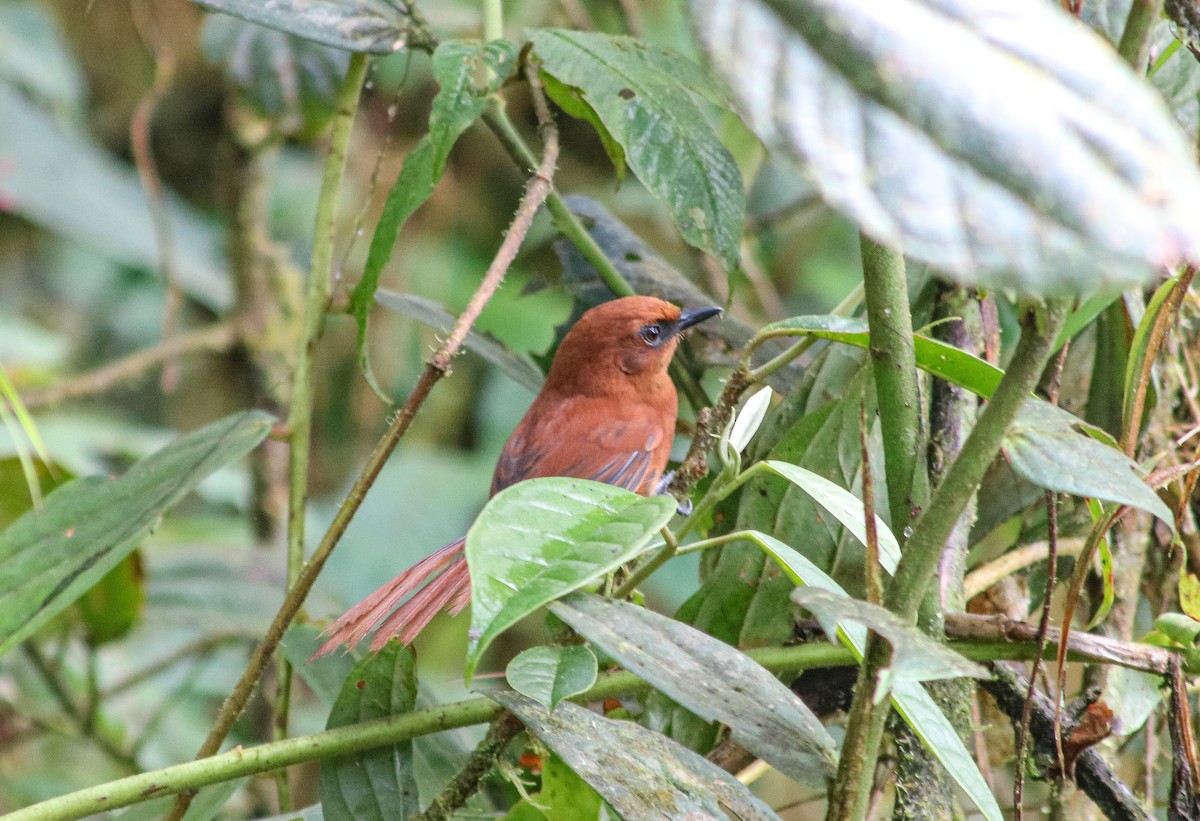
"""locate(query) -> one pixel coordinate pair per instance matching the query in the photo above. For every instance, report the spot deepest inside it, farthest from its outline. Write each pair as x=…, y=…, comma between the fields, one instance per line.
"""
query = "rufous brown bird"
x=606, y=412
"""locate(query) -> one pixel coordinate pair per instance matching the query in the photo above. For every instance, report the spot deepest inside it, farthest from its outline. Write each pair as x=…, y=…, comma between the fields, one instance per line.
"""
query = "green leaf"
x=642, y=95
x=51, y=556
x=429, y=313
x=1189, y=594
x=61, y=181
x=549, y=674
x=640, y=773
x=283, y=77
x=372, y=26
x=570, y=100
x=1043, y=447
x=115, y=603
x=713, y=680
x=1178, y=628
x=374, y=785
x=1022, y=155
x=934, y=356
x=325, y=675
x=1138, y=349
x=843, y=506
x=915, y=656
x=543, y=538
x=909, y=698
x=467, y=73
x=1133, y=695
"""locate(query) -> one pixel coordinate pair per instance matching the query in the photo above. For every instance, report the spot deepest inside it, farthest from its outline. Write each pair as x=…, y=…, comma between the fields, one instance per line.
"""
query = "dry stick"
x=1043, y=624
x=535, y=193
x=215, y=338
x=143, y=158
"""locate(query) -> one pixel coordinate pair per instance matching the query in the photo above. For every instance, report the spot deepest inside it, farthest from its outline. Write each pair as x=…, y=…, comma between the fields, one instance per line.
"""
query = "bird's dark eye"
x=651, y=334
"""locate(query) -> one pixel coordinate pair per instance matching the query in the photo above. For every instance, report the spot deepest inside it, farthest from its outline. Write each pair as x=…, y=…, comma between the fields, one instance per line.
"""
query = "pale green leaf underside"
x=1000, y=141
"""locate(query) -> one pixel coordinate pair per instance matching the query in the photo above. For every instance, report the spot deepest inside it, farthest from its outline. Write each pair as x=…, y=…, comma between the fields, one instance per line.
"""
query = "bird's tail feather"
x=451, y=590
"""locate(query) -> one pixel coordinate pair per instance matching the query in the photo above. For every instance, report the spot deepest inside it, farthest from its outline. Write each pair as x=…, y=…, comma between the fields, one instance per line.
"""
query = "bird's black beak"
x=694, y=317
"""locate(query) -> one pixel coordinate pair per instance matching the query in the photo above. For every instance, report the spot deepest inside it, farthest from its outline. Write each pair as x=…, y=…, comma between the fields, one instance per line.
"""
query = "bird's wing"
x=579, y=440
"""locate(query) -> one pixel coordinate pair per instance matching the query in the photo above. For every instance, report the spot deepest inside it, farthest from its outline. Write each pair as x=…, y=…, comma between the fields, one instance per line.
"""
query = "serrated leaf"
x=372, y=26
x=915, y=656
x=289, y=79
x=51, y=556
x=909, y=698
x=543, y=538
x=642, y=95
x=549, y=674
x=641, y=774
x=570, y=100
x=713, y=680
x=1001, y=143
x=433, y=315
x=467, y=74
x=1043, y=446
x=375, y=785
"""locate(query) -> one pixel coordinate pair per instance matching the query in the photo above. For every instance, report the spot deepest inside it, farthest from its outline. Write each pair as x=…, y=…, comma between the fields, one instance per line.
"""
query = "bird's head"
x=632, y=338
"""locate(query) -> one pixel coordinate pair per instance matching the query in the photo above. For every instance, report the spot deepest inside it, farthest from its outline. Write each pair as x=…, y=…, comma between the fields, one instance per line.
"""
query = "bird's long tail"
x=451, y=590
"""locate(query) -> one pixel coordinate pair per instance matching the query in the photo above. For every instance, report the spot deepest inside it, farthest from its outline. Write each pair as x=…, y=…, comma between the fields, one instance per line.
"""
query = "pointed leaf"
x=549, y=674
x=641, y=94
x=375, y=785
x=372, y=26
x=642, y=774
x=543, y=538
x=843, y=506
x=1002, y=143
x=713, y=680
x=1043, y=447
x=915, y=656
x=51, y=556
x=909, y=698
x=749, y=418
x=467, y=74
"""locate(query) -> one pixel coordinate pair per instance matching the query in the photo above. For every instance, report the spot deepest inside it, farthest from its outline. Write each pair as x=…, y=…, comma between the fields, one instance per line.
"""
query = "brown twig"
x=503, y=729
x=143, y=158
x=535, y=193
x=215, y=338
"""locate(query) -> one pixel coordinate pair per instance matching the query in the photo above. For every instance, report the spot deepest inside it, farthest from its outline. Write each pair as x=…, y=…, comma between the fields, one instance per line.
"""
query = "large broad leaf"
x=61, y=181
x=51, y=556
x=711, y=679
x=563, y=795
x=642, y=774
x=549, y=674
x=915, y=656
x=909, y=698
x=999, y=141
x=376, y=785
x=1043, y=447
x=373, y=26
x=467, y=73
x=544, y=538
x=643, y=96
x=433, y=315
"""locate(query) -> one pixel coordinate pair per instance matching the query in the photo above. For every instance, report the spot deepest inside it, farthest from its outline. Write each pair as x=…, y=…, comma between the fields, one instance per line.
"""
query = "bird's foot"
x=683, y=508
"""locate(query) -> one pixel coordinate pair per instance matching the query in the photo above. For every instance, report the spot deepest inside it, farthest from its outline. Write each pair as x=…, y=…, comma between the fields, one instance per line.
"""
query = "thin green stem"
x=894, y=361
x=844, y=308
x=493, y=20
x=640, y=573
x=300, y=412
x=1135, y=37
